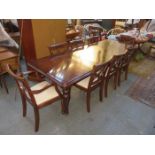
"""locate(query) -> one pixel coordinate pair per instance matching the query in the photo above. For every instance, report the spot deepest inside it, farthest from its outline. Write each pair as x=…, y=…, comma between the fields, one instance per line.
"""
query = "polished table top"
x=70, y=68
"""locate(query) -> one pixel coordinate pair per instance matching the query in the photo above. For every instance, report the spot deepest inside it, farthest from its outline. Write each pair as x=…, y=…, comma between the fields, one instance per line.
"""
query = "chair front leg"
x=126, y=72
x=88, y=101
x=24, y=106
x=37, y=118
x=119, y=77
x=106, y=87
x=116, y=79
x=101, y=92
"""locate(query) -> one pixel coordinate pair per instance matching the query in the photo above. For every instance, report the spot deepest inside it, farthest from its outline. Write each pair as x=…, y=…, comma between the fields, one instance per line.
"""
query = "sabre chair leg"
x=106, y=88
x=126, y=73
x=101, y=93
x=119, y=78
x=24, y=106
x=88, y=102
x=115, y=81
x=37, y=119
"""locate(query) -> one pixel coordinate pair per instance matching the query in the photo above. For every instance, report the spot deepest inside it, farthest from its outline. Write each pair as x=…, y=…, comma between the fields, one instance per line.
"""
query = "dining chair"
x=92, y=40
x=58, y=48
x=113, y=72
x=124, y=65
x=39, y=95
x=96, y=31
x=95, y=80
x=76, y=45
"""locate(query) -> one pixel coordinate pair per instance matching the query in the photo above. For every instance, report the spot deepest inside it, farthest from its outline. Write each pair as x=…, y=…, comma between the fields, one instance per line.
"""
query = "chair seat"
x=84, y=83
x=46, y=95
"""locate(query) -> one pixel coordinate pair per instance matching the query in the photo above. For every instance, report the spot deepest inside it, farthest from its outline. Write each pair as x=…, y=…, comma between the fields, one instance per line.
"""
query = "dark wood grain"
x=70, y=68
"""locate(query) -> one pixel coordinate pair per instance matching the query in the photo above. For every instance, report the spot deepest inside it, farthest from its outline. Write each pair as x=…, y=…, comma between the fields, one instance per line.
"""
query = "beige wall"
x=46, y=32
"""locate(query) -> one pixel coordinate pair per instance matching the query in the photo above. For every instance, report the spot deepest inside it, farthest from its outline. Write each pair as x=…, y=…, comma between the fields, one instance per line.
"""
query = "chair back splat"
x=98, y=75
x=58, y=49
x=23, y=85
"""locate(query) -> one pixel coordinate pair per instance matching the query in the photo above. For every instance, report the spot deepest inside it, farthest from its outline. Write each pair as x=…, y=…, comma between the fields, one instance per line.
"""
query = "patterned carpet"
x=143, y=90
x=143, y=68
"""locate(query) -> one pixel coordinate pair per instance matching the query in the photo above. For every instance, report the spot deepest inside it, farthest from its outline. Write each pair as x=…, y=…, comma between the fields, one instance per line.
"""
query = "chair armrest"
x=42, y=89
x=27, y=72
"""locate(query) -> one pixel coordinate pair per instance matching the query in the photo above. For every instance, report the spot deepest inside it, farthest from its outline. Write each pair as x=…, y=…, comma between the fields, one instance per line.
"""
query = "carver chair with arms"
x=39, y=95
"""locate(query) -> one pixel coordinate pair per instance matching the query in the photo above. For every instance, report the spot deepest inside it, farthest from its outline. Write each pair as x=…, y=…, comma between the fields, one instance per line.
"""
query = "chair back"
x=58, y=49
x=92, y=40
x=98, y=74
x=115, y=64
x=115, y=31
x=118, y=60
x=76, y=44
x=22, y=84
x=128, y=56
x=95, y=31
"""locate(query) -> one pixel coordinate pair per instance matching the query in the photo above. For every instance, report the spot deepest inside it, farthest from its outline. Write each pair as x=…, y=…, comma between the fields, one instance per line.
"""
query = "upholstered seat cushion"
x=84, y=83
x=45, y=95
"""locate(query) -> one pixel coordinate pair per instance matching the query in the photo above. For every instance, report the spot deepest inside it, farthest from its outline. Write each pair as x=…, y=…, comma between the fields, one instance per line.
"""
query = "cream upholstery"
x=84, y=83
x=45, y=95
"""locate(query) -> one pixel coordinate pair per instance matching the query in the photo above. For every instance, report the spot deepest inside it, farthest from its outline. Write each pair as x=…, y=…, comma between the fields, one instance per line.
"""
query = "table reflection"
x=71, y=66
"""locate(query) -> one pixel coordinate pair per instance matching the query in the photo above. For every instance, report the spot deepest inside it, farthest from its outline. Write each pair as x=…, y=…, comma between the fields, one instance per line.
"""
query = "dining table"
x=67, y=69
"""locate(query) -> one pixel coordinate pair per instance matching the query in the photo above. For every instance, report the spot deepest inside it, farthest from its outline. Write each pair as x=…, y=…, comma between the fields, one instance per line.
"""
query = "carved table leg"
x=66, y=99
x=65, y=95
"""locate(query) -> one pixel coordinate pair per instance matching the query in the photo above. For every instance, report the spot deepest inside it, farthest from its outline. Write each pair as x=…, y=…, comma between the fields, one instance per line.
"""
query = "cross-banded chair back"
x=92, y=40
x=127, y=57
x=76, y=44
x=98, y=74
x=115, y=64
x=23, y=85
x=58, y=49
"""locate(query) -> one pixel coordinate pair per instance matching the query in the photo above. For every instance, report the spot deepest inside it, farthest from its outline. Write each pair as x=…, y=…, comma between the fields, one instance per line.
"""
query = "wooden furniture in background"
x=71, y=35
x=7, y=57
x=95, y=31
x=39, y=95
x=72, y=67
x=77, y=44
x=37, y=35
x=92, y=40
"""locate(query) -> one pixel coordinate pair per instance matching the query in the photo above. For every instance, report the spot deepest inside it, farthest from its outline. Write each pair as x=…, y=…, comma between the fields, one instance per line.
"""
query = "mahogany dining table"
x=67, y=69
